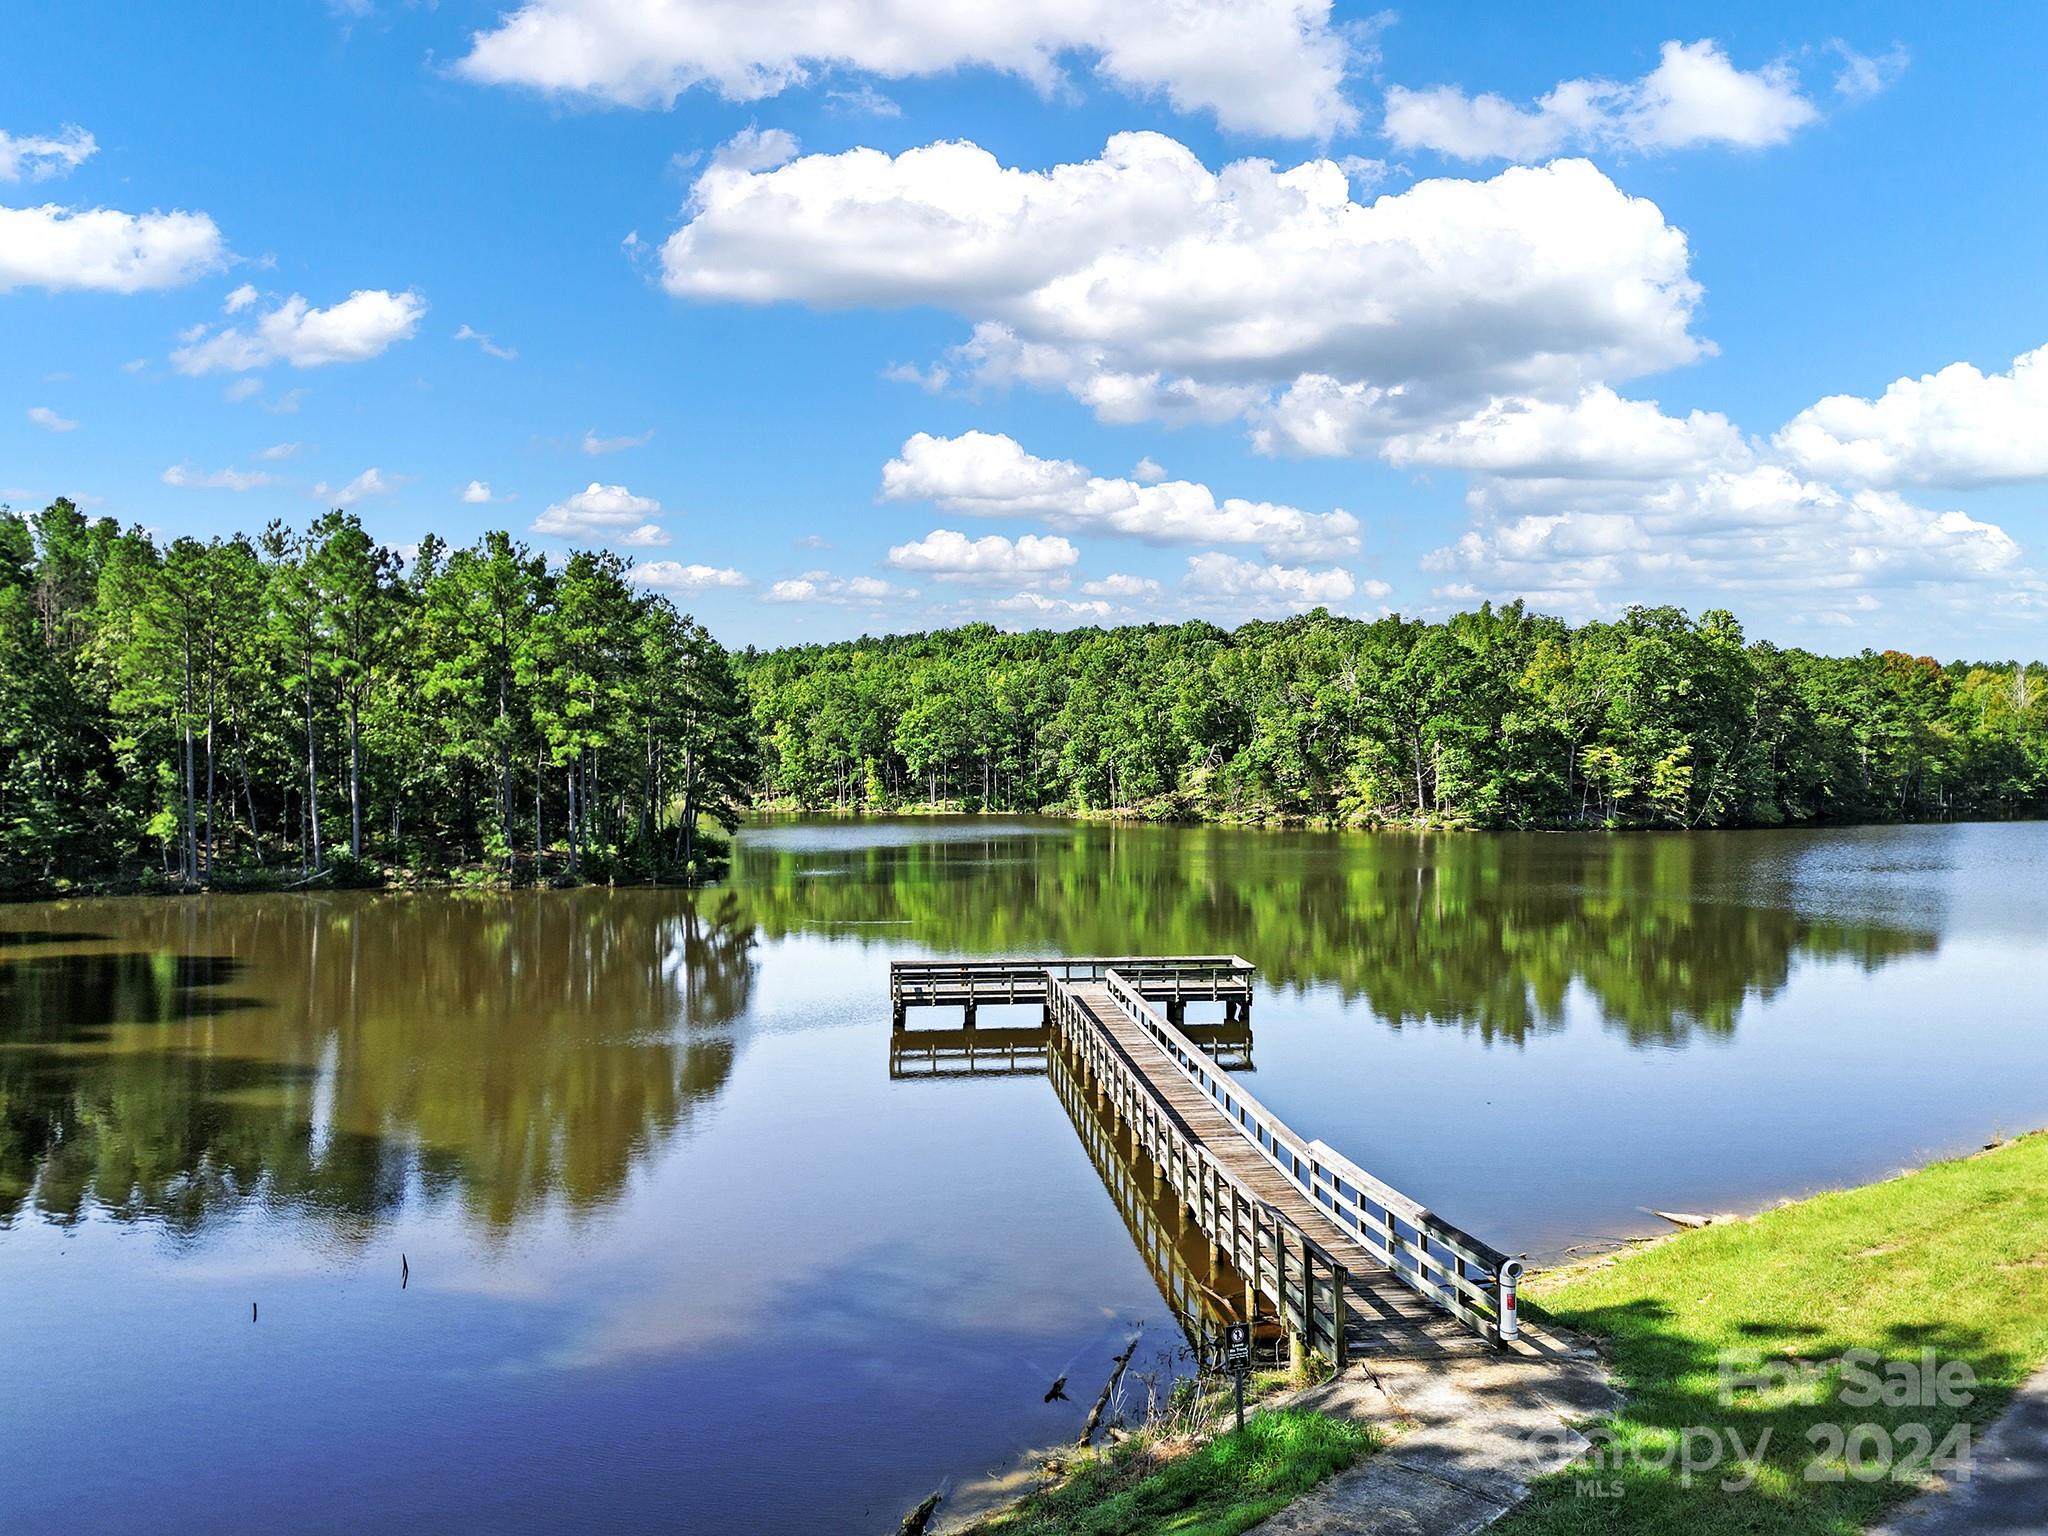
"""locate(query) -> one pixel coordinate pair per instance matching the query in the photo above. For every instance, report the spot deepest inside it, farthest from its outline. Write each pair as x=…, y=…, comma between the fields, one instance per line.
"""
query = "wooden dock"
x=999, y=1051
x=976, y=984
x=1340, y=1261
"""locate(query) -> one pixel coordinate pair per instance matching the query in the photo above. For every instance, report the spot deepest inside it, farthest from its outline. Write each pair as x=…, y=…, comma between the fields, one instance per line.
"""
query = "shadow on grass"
x=1780, y=1431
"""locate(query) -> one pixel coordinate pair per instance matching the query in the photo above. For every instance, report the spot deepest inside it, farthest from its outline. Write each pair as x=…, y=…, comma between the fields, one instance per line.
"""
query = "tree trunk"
x=312, y=771
x=210, y=714
x=248, y=793
x=355, y=780
x=569, y=779
x=647, y=791
x=189, y=854
x=689, y=805
x=504, y=772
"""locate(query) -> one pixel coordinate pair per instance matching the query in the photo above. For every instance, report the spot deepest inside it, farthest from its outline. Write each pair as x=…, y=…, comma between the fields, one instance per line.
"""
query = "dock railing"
x=975, y=984
x=1471, y=1280
x=1302, y=1280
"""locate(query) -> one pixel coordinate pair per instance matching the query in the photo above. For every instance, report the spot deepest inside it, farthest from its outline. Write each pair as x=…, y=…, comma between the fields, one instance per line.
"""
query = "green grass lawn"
x=1216, y=1488
x=1952, y=1259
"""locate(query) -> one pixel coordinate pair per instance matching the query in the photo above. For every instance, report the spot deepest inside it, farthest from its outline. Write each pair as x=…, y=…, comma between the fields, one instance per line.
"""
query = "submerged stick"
x=915, y=1522
x=1108, y=1390
x=1689, y=1220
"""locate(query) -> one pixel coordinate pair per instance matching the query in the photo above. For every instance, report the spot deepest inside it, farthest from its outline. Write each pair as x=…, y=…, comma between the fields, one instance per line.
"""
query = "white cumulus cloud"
x=602, y=511
x=1252, y=587
x=1265, y=66
x=105, y=251
x=672, y=576
x=478, y=493
x=49, y=420
x=824, y=587
x=984, y=474
x=1597, y=436
x=1119, y=585
x=1765, y=529
x=1291, y=586
x=370, y=482
x=952, y=556
x=1957, y=427
x=1694, y=96
x=1040, y=609
x=1149, y=286
x=360, y=327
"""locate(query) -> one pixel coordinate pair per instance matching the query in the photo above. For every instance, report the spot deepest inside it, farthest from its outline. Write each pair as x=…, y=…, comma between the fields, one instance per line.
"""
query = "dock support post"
x=1297, y=1357
x=896, y=1018
x=968, y=1016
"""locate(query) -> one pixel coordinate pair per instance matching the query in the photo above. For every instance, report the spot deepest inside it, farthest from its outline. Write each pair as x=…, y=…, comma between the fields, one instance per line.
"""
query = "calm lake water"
x=688, y=1251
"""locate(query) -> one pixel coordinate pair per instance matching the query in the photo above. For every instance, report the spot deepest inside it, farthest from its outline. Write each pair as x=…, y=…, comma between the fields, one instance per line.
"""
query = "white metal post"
x=1510, y=1319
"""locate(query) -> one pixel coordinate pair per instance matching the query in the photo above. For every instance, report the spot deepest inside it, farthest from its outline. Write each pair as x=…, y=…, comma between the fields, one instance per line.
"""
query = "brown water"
x=685, y=1253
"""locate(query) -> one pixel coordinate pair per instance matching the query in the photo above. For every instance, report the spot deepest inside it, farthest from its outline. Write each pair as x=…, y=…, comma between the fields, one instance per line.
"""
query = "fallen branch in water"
x=915, y=1522
x=1690, y=1221
x=1108, y=1389
x=318, y=874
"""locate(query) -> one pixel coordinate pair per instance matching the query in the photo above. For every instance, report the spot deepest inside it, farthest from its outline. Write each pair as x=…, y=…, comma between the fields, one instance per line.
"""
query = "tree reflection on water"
x=332, y=1055
x=1485, y=933
x=504, y=1049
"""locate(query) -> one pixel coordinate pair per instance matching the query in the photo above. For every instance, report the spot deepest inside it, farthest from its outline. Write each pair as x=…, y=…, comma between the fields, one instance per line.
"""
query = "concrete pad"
x=1468, y=1435
x=2006, y=1493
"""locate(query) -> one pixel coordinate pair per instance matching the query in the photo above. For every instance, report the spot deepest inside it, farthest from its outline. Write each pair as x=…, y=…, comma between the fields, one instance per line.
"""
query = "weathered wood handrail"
x=1195, y=977
x=1472, y=1280
x=1280, y=1262
x=1200, y=1308
x=1024, y=1051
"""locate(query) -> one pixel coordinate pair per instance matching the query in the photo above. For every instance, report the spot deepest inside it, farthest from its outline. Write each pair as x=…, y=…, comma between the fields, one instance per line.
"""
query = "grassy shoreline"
x=712, y=863
x=1193, y=1485
x=1173, y=813
x=1761, y=1358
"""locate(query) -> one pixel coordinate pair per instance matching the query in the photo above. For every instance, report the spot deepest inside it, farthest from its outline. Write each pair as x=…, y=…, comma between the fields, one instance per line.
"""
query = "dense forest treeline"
x=1498, y=717
x=201, y=713
x=304, y=704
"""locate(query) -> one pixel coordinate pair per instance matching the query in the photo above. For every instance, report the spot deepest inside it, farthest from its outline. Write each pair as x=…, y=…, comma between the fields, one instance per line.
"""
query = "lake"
x=518, y=1210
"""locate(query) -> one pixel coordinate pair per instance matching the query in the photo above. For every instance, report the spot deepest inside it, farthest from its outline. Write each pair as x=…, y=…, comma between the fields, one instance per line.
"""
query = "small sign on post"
x=1237, y=1359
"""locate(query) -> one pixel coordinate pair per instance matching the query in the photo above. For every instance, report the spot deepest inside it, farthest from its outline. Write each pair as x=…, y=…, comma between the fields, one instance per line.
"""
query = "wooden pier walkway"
x=1346, y=1265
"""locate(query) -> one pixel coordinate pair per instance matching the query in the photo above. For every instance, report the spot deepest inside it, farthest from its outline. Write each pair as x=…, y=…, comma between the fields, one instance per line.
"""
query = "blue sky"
x=835, y=391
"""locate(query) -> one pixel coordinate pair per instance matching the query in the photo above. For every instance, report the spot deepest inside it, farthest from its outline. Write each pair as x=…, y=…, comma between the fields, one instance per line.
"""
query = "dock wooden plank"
x=1386, y=1316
